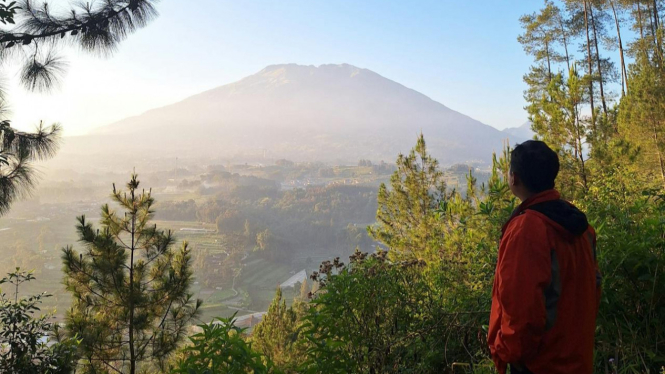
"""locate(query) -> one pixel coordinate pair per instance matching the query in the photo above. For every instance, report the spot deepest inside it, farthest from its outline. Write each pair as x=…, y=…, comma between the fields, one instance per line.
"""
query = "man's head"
x=533, y=169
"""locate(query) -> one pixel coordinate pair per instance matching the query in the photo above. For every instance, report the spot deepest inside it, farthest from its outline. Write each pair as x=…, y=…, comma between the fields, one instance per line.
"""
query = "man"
x=547, y=286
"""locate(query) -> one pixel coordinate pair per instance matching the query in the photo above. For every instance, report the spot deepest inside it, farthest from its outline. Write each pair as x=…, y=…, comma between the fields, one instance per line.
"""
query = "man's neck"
x=526, y=196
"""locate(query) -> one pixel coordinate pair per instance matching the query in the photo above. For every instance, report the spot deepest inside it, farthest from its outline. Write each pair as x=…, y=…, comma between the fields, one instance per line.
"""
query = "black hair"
x=536, y=164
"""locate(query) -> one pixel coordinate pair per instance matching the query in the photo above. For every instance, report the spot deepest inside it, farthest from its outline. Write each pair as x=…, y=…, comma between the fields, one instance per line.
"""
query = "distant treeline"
x=316, y=219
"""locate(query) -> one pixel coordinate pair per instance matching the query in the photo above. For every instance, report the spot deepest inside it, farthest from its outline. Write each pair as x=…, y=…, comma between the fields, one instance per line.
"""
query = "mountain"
x=522, y=132
x=302, y=113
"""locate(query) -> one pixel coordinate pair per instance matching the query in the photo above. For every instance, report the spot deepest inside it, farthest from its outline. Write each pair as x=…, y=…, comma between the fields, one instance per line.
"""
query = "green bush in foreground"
x=23, y=346
x=220, y=348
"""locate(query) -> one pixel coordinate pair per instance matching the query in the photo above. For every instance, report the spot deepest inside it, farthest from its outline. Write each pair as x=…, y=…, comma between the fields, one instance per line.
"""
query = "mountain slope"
x=523, y=132
x=304, y=113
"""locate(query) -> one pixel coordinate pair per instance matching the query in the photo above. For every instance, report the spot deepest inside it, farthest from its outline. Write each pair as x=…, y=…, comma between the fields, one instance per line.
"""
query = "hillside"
x=337, y=113
x=523, y=132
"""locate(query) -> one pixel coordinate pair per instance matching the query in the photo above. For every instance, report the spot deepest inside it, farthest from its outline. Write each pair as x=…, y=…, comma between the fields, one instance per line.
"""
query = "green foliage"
x=375, y=316
x=613, y=166
x=557, y=120
x=23, y=345
x=34, y=40
x=383, y=314
x=177, y=210
x=631, y=222
x=18, y=152
x=420, y=306
x=642, y=115
x=131, y=288
x=230, y=222
x=365, y=319
x=278, y=336
x=542, y=33
x=406, y=219
x=220, y=349
x=42, y=29
x=280, y=226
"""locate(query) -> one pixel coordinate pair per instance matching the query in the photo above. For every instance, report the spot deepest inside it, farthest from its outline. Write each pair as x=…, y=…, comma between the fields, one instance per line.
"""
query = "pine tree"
x=581, y=26
x=642, y=114
x=597, y=16
x=542, y=33
x=130, y=288
x=407, y=220
x=589, y=20
x=556, y=119
x=277, y=335
x=616, y=8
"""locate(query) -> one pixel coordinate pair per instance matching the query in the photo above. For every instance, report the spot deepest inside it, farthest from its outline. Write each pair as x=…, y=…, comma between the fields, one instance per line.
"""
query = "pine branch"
x=93, y=26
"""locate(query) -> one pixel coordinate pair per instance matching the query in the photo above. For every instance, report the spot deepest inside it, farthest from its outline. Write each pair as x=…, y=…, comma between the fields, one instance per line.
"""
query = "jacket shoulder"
x=528, y=221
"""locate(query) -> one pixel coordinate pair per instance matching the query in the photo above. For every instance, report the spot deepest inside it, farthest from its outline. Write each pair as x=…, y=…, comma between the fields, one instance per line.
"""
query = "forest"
x=403, y=263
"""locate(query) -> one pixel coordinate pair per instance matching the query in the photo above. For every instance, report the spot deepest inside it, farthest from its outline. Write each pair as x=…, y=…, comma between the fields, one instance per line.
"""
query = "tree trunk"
x=132, y=352
x=652, y=24
x=600, y=69
x=590, y=63
x=565, y=43
x=549, y=66
x=662, y=167
x=661, y=161
x=655, y=15
x=579, y=148
x=624, y=76
x=656, y=35
x=639, y=20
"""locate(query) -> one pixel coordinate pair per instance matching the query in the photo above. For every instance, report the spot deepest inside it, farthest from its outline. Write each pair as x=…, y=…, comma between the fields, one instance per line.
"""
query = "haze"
x=462, y=54
x=274, y=122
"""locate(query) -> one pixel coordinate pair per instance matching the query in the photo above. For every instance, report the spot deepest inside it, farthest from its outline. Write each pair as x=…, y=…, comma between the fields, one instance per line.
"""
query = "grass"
x=262, y=273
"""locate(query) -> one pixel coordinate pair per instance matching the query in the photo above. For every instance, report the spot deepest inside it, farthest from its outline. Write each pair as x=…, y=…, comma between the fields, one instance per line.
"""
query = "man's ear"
x=515, y=179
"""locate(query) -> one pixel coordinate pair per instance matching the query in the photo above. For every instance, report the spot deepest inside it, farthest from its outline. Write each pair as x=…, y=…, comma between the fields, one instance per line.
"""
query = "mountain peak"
x=306, y=112
x=520, y=133
x=338, y=71
x=322, y=67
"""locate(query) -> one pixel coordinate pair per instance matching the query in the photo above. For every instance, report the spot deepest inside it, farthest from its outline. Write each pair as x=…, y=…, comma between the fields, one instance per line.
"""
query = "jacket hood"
x=561, y=212
x=564, y=214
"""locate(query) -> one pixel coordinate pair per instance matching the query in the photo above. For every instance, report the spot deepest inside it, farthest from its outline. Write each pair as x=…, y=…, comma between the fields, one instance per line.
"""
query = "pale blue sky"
x=462, y=53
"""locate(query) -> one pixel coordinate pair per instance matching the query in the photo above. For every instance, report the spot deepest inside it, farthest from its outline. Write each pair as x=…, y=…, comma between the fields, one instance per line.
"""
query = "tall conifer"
x=130, y=287
x=642, y=114
x=407, y=220
x=277, y=335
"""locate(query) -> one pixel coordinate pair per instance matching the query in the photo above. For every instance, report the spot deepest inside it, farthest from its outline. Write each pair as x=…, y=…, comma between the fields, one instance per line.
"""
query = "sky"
x=461, y=53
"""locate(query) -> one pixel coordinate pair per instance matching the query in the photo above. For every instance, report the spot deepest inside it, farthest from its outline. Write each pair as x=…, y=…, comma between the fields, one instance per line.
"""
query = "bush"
x=630, y=221
x=376, y=316
x=23, y=337
x=220, y=348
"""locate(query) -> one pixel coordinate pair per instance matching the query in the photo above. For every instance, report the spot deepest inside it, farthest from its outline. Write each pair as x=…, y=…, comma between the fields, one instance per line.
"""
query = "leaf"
x=645, y=277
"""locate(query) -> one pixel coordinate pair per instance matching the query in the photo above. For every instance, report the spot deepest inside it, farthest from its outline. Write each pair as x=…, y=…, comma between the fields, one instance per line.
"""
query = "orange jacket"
x=546, y=289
